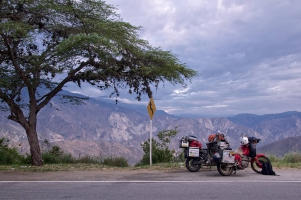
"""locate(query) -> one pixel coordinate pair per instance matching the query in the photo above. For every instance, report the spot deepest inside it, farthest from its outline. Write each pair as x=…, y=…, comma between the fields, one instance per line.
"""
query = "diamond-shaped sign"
x=151, y=108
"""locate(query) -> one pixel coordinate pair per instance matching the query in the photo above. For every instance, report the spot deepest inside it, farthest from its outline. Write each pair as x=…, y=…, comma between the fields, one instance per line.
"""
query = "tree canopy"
x=49, y=43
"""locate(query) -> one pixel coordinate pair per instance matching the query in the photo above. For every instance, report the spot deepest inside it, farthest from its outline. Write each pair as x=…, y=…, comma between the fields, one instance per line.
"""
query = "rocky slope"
x=103, y=129
x=281, y=147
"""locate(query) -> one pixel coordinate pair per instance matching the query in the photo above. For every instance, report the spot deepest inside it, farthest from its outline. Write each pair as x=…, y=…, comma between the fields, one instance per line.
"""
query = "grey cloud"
x=247, y=52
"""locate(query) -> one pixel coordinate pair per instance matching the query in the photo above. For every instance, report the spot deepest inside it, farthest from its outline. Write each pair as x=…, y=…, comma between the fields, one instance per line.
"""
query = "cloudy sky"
x=248, y=54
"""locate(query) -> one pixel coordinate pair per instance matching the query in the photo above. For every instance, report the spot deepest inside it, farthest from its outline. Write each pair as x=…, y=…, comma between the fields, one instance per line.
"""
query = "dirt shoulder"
x=181, y=174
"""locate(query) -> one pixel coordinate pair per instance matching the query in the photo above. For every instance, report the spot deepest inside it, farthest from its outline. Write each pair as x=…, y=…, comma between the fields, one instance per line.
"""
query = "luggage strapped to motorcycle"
x=216, y=137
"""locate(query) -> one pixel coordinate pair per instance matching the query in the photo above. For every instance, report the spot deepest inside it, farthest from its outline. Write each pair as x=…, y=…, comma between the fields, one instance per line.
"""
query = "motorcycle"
x=228, y=161
x=196, y=156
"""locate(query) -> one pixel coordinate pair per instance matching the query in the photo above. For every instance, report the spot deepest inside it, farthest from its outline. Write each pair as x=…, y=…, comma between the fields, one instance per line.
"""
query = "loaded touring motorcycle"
x=218, y=153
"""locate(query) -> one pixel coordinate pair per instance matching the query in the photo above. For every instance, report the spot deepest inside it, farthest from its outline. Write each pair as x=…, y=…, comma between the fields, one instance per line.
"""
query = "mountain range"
x=99, y=128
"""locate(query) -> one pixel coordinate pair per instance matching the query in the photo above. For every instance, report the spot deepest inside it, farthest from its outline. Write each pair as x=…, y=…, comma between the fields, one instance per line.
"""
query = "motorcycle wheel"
x=257, y=168
x=191, y=166
x=224, y=169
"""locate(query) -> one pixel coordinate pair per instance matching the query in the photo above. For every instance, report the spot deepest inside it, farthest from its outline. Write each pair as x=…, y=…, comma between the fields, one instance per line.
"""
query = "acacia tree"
x=43, y=41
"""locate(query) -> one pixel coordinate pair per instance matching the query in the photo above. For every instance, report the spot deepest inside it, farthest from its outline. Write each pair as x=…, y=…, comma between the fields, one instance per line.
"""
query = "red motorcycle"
x=196, y=156
x=229, y=161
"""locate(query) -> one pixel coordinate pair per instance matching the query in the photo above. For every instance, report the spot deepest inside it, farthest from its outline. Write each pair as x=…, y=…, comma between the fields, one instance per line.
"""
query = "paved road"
x=150, y=184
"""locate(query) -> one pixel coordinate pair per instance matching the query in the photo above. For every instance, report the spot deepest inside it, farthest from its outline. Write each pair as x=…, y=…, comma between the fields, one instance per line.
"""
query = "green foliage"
x=160, y=150
x=54, y=155
x=89, y=159
x=273, y=158
x=165, y=136
x=291, y=160
x=292, y=157
x=8, y=155
x=57, y=155
x=116, y=162
x=85, y=41
x=75, y=42
x=179, y=157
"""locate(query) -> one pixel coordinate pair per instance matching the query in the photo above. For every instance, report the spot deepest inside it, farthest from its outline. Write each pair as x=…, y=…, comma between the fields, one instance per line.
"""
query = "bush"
x=9, y=156
x=292, y=157
x=89, y=159
x=116, y=162
x=56, y=155
x=160, y=150
x=273, y=158
x=179, y=157
x=292, y=160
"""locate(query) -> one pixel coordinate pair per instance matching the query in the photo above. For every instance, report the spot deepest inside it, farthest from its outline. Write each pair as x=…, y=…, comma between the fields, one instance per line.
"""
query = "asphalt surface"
x=109, y=184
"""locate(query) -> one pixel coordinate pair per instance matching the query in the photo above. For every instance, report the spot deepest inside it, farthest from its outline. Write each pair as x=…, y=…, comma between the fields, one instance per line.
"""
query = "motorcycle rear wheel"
x=255, y=165
x=191, y=166
x=224, y=169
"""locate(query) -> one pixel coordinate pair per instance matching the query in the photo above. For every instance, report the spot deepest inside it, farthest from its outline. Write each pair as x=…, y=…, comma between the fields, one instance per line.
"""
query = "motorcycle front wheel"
x=225, y=169
x=191, y=164
x=256, y=165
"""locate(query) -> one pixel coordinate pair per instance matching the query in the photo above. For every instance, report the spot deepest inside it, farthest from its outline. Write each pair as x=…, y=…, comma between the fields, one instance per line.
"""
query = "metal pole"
x=150, y=142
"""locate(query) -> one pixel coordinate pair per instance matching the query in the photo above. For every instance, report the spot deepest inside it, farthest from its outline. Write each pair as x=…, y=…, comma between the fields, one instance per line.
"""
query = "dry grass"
x=86, y=167
x=100, y=167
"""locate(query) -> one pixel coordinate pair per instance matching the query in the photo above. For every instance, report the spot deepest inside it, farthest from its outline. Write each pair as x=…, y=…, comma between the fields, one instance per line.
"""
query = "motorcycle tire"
x=191, y=166
x=256, y=167
x=224, y=169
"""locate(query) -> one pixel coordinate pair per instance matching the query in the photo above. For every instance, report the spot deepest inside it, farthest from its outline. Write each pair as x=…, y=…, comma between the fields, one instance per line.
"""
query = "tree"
x=49, y=43
x=160, y=150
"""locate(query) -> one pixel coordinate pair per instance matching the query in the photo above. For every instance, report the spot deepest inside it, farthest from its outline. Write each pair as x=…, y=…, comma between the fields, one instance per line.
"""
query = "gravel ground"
x=181, y=174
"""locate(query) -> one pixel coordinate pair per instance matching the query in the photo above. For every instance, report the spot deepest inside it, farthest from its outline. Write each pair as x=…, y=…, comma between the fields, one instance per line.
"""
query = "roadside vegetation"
x=289, y=160
x=55, y=159
x=161, y=153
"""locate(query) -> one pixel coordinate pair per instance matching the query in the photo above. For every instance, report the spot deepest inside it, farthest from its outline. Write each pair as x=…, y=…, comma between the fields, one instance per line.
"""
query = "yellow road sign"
x=151, y=108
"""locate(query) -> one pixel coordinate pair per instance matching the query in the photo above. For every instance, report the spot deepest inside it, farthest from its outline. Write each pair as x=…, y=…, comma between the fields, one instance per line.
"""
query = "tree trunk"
x=35, y=151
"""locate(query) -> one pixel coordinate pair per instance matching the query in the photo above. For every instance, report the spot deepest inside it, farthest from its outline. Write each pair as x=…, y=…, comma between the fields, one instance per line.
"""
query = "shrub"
x=292, y=157
x=89, y=159
x=273, y=158
x=9, y=155
x=179, y=157
x=56, y=155
x=160, y=150
x=116, y=162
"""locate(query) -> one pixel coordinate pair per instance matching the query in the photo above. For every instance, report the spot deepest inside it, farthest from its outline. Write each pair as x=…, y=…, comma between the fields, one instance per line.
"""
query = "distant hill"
x=271, y=127
x=136, y=107
x=251, y=120
x=281, y=147
x=104, y=128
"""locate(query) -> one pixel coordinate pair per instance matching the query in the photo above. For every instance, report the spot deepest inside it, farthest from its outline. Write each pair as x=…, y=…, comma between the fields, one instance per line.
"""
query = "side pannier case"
x=193, y=152
x=184, y=142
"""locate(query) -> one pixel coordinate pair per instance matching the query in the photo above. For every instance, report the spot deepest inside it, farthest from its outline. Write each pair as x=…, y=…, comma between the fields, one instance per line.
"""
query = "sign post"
x=151, y=108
